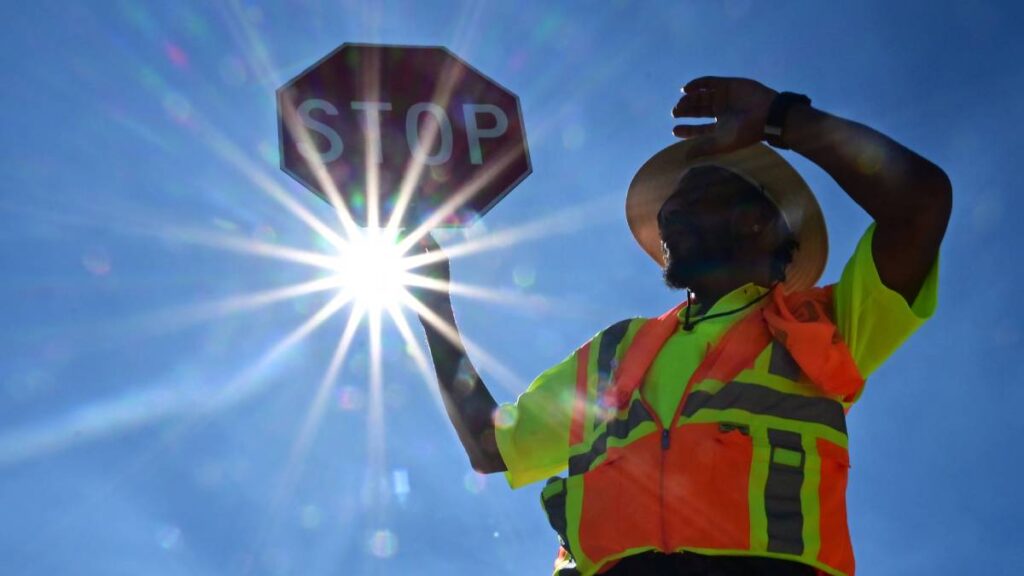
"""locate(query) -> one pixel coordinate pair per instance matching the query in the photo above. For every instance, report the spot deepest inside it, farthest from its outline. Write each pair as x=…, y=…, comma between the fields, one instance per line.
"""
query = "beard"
x=687, y=262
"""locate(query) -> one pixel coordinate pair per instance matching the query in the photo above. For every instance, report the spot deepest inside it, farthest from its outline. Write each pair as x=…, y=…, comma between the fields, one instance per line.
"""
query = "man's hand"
x=434, y=287
x=740, y=105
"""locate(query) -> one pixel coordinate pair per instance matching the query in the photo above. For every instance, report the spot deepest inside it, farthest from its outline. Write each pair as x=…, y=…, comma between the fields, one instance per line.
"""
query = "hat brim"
x=657, y=178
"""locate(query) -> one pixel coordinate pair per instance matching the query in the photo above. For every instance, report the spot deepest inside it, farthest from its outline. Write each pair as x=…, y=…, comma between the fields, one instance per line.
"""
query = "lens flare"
x=372, y=269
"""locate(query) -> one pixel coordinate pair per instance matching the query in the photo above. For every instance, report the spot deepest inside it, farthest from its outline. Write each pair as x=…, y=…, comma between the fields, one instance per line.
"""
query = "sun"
x=372, y=269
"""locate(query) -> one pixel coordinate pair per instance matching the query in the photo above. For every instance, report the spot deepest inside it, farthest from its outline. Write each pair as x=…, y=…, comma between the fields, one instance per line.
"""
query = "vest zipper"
x=665, y=442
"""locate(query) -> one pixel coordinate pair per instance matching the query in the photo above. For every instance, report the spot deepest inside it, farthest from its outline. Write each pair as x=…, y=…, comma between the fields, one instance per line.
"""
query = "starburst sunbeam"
x=505, y=375
x=183, y=316
x=315, y=163
x=411, y=178
x=413, y=346
x=376, y=441
x=251, y=43
x=235, y=389
x=249, y=246
x=227, y=150
x=312, y=420
x=371, y=163
x=458, y=199
x=101, y=419
x=369, y=267
x=562, y=222
x=478, y=292
x=311, y=423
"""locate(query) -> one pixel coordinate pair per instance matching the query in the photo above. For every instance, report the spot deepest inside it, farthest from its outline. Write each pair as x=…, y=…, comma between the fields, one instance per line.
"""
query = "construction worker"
x=712, y=439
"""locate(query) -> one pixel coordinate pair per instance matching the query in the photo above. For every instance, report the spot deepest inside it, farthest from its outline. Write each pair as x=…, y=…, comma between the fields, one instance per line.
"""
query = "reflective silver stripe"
x=782, y=494
x=553, y=500
x=568, y=570
x=617, y=428
x=758, y=399
x=610, y=340
x=782, y=362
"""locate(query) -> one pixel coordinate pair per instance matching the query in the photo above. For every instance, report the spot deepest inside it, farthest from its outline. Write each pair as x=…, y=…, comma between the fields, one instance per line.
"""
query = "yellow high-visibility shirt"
x=533, y=432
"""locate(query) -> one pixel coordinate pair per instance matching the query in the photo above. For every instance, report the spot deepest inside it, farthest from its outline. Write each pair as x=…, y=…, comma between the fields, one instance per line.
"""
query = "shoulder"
x=618, y=329
x=871, y=318
x=617, y=332
x=610, y=343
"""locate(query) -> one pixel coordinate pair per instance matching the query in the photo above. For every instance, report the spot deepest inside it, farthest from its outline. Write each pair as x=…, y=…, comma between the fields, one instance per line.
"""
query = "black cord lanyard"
x=688, y=324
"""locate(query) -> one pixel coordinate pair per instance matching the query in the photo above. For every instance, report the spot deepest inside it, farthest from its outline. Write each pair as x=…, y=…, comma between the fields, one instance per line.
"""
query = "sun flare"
x=372, y=270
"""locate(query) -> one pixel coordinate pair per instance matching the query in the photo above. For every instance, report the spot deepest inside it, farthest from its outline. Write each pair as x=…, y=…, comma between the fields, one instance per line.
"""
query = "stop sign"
x=374, y=120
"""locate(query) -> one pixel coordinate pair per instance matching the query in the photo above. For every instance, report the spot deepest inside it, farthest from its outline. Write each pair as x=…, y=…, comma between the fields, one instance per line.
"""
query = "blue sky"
x=135, y=438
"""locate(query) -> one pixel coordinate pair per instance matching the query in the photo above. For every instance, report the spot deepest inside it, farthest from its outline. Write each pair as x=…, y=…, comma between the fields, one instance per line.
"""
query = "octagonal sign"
x=371, y=121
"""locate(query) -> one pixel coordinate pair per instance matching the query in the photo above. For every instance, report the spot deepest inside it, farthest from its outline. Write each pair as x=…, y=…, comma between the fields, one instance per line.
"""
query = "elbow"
x=941, y=201
x=929, y=217
x=487, y=465
x=484, y=467
x=487, y=461
x=484, y=455
x=942, y=193
x=934, y=202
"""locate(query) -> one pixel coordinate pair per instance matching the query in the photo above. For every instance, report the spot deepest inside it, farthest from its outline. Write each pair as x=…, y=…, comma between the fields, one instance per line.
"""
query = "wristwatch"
x=777, y=116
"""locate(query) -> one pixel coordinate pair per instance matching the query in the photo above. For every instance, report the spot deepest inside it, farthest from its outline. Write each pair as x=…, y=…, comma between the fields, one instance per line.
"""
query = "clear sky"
x=151, y=425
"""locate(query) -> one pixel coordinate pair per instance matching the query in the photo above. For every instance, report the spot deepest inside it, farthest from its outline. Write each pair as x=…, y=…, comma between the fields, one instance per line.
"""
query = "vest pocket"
x=706, y=484
x=836, y=549
x=621, y=502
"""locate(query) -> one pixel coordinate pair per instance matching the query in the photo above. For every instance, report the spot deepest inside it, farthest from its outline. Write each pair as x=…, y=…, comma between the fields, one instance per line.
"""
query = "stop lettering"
x=370, y=114
x=417, y=113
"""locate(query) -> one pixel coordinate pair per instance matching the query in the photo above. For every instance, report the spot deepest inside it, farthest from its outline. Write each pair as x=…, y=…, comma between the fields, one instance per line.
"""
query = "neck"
x=711, y=290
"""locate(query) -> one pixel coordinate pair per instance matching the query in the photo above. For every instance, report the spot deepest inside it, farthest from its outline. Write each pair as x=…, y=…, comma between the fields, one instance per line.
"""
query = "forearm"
x=909, y=198
x=469, y=404
x=889, y=181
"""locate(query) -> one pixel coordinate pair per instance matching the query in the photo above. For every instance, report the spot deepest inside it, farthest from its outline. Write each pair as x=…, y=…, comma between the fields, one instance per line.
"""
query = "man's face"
x=713, y=221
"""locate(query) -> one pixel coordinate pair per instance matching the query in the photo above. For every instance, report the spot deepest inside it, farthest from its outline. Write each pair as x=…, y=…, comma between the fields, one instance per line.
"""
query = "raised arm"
x=909, y=197
x=469, y=404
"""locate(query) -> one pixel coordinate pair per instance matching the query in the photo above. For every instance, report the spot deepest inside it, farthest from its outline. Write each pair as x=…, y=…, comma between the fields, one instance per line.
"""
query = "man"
x=712, y=439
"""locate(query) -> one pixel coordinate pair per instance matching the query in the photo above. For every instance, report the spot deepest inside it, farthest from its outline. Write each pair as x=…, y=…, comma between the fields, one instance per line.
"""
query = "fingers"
x=432, y=253
x=695, y=105
x=428, y=244
x=691, y=130
x=697, y=102
x=703, y=83
x=699, y=98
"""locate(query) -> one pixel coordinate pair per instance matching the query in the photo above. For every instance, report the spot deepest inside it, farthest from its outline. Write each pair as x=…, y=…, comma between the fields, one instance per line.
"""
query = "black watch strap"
x=777, y=116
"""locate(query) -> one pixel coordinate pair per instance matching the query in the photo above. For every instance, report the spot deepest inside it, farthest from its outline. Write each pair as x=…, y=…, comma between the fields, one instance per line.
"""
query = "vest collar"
x=800, y=321
x=731, y=300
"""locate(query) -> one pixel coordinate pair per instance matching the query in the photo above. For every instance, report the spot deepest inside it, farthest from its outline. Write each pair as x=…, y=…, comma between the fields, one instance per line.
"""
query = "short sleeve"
x=874, y=319
x=533, y=433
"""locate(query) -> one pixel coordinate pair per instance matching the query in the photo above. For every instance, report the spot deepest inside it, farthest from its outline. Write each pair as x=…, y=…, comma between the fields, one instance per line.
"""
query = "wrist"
x=775, y=125
x=804, y=127
x=440, y=305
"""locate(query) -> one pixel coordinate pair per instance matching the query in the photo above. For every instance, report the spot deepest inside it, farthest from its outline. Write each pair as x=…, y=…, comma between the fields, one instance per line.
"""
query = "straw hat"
x=657, y=178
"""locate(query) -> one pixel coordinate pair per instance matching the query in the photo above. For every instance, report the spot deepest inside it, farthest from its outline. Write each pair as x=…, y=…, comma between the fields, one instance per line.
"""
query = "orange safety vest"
x=754, y=461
